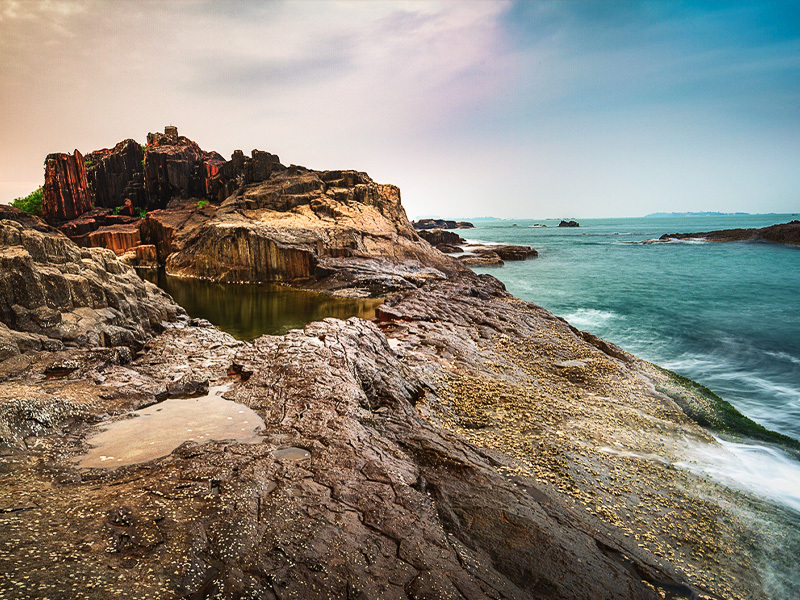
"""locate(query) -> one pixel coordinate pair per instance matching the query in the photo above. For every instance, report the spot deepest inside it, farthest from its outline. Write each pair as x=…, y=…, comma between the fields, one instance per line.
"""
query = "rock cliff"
x=66, y=192
x=248, y=219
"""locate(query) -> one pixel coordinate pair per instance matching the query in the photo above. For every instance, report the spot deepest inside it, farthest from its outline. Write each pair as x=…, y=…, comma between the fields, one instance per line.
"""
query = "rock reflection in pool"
x=157, y=430
x=247, y=310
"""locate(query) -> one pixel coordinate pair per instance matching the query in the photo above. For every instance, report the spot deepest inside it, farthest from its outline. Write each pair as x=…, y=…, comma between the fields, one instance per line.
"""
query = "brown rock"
x=66, y=192
x=144, y=256
x=118, y=238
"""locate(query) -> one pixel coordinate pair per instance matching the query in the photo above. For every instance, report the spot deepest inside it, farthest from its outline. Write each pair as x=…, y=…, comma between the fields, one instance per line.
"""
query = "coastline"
x=465, y=443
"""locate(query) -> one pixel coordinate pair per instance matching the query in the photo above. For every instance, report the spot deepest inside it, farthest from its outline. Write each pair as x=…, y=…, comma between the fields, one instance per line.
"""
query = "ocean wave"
x=590, y=317
x=784, y=356
x=761, y=470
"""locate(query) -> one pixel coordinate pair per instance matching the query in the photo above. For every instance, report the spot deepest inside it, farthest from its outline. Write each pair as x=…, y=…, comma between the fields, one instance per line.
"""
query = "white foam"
x=760, y=470
x=589, y=318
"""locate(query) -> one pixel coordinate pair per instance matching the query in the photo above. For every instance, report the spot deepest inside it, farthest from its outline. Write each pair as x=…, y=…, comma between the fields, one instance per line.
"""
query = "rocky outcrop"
x=569, y=224
x=116, y=175
x=495, y=254
x=66, y=193
x=454, y=450
x=436, y=237
x=442, y=224
x=329, y=229
x=783, y=233
x=55, y=294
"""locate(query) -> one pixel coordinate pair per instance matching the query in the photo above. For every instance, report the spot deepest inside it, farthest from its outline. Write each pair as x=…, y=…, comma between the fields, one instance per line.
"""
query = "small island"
x=783, y=233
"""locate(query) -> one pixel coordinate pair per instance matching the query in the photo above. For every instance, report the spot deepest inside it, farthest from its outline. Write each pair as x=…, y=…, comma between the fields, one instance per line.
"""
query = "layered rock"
x=53, y=293
x=66, y=193
x=329, y=228
x=116, y=175
x=782, y=233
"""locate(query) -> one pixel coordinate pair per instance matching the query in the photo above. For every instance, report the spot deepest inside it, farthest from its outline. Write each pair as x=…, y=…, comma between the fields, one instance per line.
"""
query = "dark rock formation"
x=440, y=236
x=66, y=194
x=116, y=175
x=56, y=294
x=442, y=224
x=783, y=233
x=569, y=224
x=495, y=254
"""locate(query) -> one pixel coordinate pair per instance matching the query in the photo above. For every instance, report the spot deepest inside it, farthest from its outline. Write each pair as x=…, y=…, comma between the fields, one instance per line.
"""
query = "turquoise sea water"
x=724, y=314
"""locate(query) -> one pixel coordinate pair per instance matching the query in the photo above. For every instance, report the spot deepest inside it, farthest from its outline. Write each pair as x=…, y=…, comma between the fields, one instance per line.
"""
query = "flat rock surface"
x=441, y=453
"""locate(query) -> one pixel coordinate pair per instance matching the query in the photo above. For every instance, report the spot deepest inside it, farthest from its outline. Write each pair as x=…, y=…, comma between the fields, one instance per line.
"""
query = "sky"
x=506, y=109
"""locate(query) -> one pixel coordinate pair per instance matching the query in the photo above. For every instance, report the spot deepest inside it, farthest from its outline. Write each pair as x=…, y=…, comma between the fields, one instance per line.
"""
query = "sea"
x=726, y=315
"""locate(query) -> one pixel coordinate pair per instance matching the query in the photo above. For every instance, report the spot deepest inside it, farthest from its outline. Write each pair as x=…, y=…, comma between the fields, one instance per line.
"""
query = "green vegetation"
x=116, y=210
x=141, y=213
x=142, y=164
x=88, y=163
x=709, y=410
x=31, y=204
x=201, y=203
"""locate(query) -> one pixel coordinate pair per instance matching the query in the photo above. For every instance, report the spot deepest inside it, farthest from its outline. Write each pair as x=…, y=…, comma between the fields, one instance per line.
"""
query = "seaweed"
x=709, y=410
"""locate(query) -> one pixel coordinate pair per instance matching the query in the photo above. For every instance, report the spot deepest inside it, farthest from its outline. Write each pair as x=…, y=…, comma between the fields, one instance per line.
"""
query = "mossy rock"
x=709, y=410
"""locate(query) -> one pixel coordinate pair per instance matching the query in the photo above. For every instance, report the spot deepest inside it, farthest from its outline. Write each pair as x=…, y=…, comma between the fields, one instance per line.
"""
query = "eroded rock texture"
x=55, y=294
x=66, y=192
x=117, y=174
x=336, y=226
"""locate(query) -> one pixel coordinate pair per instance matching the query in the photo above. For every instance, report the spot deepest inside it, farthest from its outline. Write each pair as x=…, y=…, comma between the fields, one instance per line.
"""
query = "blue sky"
x=511, y=109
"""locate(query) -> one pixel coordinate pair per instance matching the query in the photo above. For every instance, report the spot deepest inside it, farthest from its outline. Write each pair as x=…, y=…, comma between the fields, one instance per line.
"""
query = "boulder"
x=569, y=224
x=66, y=191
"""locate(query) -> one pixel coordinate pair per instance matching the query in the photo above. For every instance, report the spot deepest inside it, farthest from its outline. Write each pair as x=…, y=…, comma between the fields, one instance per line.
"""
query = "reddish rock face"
x=66, y=192
x=118, y=238
x=117, y=174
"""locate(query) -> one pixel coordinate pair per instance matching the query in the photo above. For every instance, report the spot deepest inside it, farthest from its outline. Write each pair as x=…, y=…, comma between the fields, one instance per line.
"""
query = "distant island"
x=693, y=214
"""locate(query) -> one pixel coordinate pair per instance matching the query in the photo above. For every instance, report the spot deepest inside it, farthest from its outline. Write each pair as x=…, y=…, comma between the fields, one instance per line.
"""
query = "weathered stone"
x=118, y=238
x=50, y=287
x=116, y=175
x=66, y=192
x=144, y=256
x=569, y=224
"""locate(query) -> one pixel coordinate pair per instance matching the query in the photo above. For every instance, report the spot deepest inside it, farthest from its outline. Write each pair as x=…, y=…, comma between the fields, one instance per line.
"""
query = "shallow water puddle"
x=157, y=430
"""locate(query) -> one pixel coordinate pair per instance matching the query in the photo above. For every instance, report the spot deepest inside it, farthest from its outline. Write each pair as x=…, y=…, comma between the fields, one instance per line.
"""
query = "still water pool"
x=247, y=311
